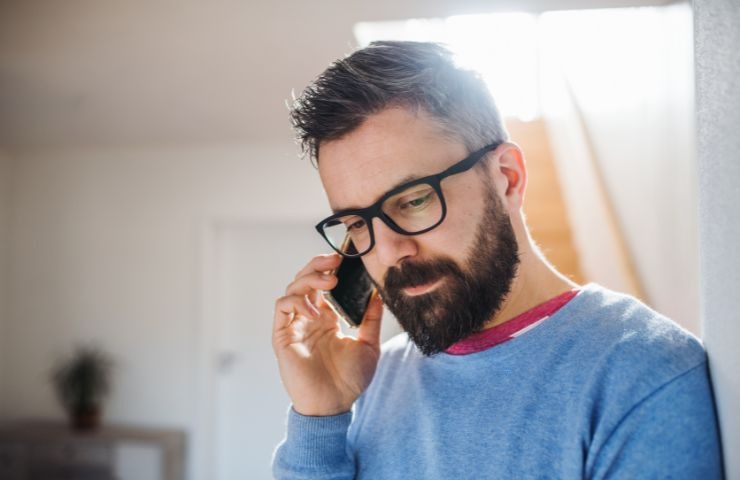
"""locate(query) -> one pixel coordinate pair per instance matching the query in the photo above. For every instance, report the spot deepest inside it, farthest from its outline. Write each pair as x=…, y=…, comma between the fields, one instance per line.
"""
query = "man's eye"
x=418, y=202
x=356, y=225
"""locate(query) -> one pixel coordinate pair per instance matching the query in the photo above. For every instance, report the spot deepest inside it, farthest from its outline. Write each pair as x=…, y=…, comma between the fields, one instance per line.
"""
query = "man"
x=506, y=368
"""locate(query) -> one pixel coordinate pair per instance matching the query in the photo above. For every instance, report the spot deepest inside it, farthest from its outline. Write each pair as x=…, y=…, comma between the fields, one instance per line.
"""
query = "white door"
x=253, y=265
x=249, y=267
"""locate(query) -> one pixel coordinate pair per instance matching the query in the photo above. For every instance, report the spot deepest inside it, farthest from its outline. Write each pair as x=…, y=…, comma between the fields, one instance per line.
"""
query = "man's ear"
x=510, y=174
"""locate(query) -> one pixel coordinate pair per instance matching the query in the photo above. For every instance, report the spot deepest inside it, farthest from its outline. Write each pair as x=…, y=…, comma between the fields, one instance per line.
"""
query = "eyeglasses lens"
x=413, y=210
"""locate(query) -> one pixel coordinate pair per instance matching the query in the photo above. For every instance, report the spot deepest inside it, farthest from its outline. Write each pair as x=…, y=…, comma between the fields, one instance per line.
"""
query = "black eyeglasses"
x=409, y=209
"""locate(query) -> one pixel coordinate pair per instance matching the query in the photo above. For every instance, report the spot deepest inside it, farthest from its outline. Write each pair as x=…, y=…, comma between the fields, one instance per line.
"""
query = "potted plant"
x=81, y=382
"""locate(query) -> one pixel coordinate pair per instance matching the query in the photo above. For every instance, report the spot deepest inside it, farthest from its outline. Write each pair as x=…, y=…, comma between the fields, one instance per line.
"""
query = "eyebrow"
x=403, y=181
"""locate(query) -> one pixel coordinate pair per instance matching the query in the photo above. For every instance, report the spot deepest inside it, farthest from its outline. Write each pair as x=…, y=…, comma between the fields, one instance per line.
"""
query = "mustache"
x=418, y=273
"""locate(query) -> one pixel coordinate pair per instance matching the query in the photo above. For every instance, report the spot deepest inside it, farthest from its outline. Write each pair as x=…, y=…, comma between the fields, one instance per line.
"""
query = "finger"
x=286, y=308
x=309, y=283
x=317, y=296
x=369, y=331
x=320, y=263
x=324, y=264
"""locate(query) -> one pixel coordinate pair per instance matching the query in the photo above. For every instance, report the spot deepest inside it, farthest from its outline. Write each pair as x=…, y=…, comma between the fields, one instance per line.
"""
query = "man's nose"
x=392, y=247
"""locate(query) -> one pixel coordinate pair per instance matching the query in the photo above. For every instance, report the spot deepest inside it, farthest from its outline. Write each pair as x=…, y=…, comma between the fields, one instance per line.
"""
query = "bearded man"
x=506, y=368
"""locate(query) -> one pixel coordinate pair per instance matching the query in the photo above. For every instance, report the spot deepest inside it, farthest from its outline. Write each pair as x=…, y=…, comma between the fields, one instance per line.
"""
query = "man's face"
x=444, y=284
x=470, y=294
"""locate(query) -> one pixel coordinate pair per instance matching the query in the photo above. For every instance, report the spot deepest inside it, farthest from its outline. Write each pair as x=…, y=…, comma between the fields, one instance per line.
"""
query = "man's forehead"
x=390, y=148
x=356, y=181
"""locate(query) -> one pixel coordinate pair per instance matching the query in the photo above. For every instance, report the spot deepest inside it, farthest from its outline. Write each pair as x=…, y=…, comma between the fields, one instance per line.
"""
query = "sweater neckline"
x=511, y=328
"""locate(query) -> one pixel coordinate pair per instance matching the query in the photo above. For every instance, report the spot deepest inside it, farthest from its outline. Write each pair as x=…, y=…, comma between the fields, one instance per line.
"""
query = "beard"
x=468, y=297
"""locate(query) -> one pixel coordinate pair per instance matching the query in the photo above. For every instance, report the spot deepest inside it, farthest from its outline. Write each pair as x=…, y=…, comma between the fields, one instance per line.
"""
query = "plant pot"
x=86, y=419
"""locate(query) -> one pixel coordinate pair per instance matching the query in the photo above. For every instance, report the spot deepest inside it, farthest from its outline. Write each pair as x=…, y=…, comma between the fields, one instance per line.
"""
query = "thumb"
x=369, y=331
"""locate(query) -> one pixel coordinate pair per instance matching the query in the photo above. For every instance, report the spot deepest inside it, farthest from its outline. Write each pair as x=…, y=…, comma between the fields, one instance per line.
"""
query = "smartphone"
x=350, y=297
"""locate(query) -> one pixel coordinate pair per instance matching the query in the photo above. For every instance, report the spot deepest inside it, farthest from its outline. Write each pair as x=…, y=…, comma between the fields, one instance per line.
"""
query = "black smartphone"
x=350, y=297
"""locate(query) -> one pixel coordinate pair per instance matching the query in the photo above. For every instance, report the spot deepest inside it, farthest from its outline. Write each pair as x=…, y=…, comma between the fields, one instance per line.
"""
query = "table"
x=42, y=449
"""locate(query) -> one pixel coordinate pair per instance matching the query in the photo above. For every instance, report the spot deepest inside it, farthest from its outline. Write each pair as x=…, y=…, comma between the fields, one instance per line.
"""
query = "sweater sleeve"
x=314, y=447
x=672, y=433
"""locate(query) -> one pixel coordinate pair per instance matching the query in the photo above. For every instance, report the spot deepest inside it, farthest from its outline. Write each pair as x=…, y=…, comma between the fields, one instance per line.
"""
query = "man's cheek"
x=377, y=273
x=377, y=280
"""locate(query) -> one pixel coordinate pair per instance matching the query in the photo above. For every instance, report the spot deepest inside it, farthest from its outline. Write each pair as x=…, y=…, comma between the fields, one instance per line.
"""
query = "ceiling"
x=90, y=72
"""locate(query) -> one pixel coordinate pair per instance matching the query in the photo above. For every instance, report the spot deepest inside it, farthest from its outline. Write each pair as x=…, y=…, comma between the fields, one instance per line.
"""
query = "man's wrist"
x=320, y=411
x=305, y=433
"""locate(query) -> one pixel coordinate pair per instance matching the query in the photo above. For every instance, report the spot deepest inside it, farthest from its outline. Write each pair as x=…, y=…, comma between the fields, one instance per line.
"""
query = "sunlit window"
x=591, y=48
x=502, y=47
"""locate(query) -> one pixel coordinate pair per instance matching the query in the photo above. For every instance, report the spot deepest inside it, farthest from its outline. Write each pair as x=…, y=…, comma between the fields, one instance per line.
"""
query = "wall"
x=635, y=95
x=107, y=247
x=717, y=30
x=5, y=198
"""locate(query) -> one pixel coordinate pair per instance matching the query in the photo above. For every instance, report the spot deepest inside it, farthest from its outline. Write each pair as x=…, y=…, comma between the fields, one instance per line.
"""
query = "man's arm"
x=672, y=433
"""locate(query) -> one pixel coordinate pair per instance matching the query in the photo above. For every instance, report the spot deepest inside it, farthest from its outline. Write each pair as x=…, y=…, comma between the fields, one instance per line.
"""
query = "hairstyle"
x=413, y=75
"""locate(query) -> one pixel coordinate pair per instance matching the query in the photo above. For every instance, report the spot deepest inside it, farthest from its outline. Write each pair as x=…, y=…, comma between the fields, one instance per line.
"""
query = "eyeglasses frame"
x=375, y=210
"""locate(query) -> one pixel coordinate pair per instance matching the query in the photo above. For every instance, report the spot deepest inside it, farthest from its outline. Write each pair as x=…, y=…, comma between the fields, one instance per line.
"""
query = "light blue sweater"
x=605, y=388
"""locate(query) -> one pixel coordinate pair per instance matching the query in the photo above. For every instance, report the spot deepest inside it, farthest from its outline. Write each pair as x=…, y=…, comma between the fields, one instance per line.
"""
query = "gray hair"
x=414, y=75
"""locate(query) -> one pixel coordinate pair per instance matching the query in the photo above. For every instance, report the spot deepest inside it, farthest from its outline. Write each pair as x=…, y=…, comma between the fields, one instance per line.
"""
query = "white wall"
x=5, y=199
x=717, y=27
x=635, y=93
x=107, y=247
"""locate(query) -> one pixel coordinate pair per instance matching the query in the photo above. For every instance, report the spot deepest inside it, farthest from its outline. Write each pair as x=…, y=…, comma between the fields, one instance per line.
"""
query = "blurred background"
x=153, y=201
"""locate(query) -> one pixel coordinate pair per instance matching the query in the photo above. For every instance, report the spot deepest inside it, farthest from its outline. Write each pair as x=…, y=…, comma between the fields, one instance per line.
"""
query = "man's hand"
x=323, y=371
